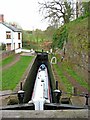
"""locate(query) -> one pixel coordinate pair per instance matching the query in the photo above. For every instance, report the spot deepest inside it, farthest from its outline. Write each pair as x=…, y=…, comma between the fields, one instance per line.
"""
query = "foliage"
x=49, y=32
x=78, y=34
x=3, y=46
x=30, y=45
x=32, y=39
x=39, y=35
x=76, y=48
x=82, y=8
x=37, y=38
x=68, y=12
x=33, y=36
x=12, y=75
x=86, y=7
x=59, y=37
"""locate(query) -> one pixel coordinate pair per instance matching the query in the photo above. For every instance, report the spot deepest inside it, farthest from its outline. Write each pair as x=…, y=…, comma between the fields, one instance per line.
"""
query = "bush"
x=3, y=46
x=30, y=45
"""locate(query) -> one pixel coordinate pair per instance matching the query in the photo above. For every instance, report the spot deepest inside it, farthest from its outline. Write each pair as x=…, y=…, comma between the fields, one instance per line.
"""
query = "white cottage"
x=10, y=35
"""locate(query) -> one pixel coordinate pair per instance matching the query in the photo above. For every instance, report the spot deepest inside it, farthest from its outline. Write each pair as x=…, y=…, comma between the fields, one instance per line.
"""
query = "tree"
x=86, y=8
x=77, y=14
x=56, y=10
x=82, y=8
x=39, y=35
x=79, y=9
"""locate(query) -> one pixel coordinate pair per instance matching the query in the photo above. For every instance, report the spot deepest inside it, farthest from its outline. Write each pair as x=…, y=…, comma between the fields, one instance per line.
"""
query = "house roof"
x=13, y=28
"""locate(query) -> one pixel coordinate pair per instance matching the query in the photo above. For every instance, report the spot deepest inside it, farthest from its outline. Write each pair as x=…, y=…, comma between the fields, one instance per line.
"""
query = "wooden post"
x=86, y=96
x=74, y=91
x=56, y=84
x=20, y=85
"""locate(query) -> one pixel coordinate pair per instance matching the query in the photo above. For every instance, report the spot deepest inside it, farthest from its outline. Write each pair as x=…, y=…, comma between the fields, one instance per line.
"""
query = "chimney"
x=14, y=25
x=1, y=18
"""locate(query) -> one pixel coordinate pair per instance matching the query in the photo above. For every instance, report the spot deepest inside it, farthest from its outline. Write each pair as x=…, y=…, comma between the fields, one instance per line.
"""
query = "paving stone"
x=45, y=114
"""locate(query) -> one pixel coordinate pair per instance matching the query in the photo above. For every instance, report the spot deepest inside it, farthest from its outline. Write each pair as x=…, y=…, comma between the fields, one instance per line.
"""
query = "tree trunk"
x=77, y=10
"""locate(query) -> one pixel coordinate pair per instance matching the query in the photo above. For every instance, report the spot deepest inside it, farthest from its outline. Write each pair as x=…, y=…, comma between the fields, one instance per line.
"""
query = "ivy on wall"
x=59, y=37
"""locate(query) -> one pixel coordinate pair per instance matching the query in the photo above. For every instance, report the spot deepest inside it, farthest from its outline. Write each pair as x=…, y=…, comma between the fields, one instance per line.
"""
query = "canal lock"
x=42, y=57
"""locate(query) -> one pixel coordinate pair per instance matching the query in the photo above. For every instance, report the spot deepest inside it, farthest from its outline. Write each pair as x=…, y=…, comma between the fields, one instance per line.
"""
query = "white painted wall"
x=16, y=40
x=3, y=30
x=14, y=37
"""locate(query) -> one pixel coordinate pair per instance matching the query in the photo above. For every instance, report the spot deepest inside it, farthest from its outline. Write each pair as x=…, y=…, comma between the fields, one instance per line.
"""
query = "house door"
x=19, y=45
x=8, y=46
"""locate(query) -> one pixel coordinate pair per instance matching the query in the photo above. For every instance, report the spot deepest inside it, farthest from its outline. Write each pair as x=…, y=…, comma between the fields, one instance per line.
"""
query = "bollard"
x=86, y=96
x=21, y=96
x=58, y=94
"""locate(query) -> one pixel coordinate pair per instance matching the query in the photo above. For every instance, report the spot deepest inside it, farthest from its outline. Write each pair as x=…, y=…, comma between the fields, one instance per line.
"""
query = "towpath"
x=16, y=59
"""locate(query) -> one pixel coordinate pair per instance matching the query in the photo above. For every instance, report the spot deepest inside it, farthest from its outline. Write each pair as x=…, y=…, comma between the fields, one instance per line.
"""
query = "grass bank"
x=8, y=60
x=63, y=78
x=78, y=78
x=12, y=76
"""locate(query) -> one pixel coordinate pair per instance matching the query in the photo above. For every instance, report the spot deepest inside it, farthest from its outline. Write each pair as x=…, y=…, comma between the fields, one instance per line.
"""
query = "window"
x=19, y=36
x=19, y=45
x=8, y=35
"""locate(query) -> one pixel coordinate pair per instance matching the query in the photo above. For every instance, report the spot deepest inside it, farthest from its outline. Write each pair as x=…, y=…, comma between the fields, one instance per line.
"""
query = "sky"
x=24, y=12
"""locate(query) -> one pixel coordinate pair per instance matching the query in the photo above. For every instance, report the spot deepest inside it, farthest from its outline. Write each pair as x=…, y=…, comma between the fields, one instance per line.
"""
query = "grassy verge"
x=78, y=78
x=64, y=80
x=8, y=60
x=67, y=67
x=12, y=76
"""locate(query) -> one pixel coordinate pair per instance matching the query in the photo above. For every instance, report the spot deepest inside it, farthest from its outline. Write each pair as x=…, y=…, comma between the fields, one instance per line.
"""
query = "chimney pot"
x=1, y=18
